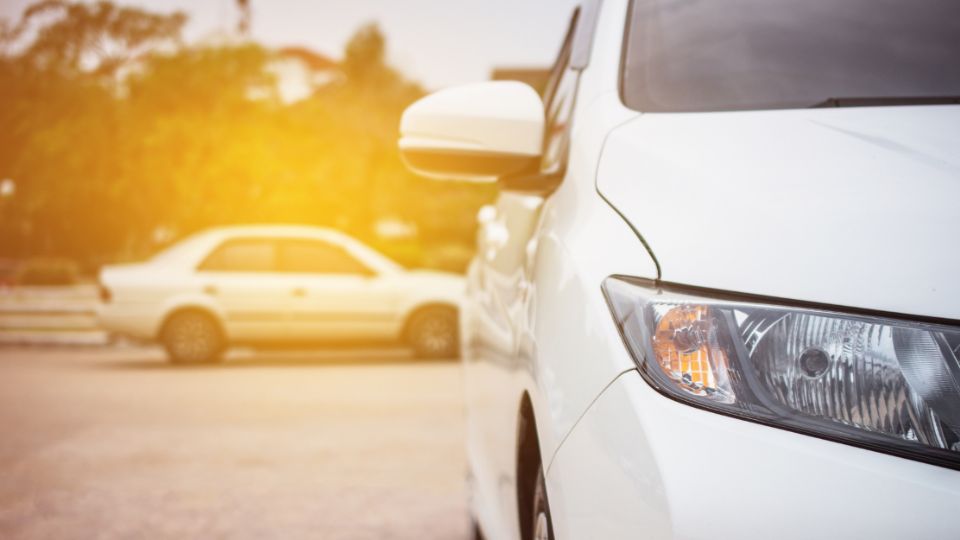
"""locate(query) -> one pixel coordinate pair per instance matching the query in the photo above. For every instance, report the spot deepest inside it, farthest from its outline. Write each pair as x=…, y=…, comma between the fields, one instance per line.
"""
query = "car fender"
x=422, y=292
x=189, y=300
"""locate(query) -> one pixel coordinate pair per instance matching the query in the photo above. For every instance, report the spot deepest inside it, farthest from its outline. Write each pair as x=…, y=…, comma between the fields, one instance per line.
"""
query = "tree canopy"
x=120, y=137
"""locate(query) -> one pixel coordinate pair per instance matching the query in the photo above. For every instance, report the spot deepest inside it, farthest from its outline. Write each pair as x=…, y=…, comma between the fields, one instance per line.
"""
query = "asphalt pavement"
x=114, y=443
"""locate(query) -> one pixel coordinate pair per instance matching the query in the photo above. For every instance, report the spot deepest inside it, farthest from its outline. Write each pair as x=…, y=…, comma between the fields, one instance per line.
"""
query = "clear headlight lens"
x=888, y=384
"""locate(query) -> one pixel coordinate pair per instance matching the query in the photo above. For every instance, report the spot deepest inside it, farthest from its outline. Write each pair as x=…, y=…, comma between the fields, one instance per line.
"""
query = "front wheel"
x=433, y=333
x=475, y=532
x=542, y=525
x=192, y=337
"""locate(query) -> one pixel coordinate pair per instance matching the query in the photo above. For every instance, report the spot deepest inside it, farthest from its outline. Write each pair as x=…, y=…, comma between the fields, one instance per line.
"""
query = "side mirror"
x=477, y=132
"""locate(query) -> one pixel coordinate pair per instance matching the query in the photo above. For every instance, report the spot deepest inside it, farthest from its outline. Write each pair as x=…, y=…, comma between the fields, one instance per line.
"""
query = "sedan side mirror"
x=477, y=132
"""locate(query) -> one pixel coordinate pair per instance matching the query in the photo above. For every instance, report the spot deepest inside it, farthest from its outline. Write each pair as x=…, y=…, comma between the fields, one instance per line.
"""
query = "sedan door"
x=342, y=299
x=257, y=302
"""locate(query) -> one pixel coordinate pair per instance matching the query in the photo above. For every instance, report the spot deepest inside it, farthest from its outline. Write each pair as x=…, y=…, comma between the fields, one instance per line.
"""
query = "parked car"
x=278, y=285
x=718, y=295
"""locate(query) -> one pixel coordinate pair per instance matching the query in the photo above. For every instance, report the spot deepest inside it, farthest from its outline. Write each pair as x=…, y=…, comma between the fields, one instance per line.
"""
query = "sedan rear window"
x=716, y=55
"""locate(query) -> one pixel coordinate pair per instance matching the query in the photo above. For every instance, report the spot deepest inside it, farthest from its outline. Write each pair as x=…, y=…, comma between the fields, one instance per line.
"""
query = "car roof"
x=197, y=245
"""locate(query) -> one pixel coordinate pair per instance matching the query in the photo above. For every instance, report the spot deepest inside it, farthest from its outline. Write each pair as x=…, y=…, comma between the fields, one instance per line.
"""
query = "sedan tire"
x=434, y=333
x=192, y=337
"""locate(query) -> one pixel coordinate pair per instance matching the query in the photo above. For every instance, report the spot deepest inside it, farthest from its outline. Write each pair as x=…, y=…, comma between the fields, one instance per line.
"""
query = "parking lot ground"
x=114, y=443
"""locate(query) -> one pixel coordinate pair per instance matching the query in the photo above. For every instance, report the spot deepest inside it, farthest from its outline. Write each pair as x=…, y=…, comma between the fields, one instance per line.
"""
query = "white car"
x=718, y=296
x=278, y=285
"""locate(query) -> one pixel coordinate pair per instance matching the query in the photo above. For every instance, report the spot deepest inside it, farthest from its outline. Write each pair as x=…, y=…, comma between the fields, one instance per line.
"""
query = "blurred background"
x=127, y=126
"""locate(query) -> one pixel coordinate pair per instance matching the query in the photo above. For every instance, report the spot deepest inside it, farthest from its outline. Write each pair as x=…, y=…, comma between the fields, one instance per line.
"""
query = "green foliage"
x=47, y=272
x=112, y=134
x=364, y=56
x=98, y=37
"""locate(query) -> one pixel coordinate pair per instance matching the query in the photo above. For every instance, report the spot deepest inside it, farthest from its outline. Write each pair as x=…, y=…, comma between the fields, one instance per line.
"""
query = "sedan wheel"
x=433, y=334
x=192, y=337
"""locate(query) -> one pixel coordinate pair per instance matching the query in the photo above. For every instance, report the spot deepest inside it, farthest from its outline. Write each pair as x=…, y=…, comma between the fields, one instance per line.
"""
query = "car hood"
x=853, y=207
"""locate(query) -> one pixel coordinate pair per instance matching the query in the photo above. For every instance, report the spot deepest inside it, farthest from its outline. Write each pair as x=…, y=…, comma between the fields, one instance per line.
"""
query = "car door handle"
x=299, y=292
x=210, y=289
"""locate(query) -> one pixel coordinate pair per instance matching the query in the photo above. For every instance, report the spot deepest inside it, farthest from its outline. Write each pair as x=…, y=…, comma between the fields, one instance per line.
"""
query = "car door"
x=499, y=274
x=340, y=298
x=240, y=275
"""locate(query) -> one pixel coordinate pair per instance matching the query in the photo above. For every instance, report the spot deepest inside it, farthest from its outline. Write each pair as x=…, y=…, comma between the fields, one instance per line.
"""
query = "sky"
x=437, y=42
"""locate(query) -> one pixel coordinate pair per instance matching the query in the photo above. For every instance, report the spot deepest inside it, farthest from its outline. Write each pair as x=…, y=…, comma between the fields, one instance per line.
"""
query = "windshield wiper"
x=887, y=101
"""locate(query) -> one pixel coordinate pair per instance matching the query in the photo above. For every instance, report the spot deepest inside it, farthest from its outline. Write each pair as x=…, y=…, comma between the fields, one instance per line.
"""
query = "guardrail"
x=50, y=316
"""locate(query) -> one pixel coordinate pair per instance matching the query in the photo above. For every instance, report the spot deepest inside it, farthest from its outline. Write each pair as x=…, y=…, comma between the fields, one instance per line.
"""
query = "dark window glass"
x=713, y=55
x=242, y=255
x=318, y=257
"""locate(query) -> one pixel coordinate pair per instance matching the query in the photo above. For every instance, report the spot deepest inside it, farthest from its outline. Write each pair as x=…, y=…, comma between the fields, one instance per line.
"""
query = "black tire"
x=475, y=532
x=541, y=527
x=192, y=337
x=433, y=333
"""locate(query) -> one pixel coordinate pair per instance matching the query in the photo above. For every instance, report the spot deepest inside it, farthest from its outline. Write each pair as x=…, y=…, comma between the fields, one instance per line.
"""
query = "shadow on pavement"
x=328, y=357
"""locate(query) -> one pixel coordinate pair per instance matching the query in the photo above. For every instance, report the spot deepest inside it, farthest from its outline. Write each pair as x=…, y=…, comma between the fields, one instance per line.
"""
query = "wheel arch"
x=190, y=307
x=528, y=464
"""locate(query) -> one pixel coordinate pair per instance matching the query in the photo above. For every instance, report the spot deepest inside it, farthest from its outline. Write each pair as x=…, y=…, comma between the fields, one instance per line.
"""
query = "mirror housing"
x=476, y=132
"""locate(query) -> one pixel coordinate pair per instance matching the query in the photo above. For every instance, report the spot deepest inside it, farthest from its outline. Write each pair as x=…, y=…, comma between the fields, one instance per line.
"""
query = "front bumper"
x=640, y=464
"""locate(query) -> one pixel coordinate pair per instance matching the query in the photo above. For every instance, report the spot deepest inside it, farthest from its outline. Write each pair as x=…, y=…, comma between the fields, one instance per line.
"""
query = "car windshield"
x=716, y=55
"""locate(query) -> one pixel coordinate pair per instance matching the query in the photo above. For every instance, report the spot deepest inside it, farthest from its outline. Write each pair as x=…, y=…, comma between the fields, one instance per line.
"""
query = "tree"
x=60, y=123
x=100, y=38
x=363, y=58
x=149, y=137
x=243, y=25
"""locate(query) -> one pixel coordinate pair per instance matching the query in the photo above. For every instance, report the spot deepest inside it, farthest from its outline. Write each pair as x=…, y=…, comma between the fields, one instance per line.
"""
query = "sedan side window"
x=242, y=255
x=318, y=257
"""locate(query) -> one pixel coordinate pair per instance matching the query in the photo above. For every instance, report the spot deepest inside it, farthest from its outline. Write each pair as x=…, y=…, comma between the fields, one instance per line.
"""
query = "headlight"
x=883, y=383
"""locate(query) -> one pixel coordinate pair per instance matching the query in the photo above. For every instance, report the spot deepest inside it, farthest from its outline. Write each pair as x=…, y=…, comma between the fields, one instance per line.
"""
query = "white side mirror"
x=474, y=132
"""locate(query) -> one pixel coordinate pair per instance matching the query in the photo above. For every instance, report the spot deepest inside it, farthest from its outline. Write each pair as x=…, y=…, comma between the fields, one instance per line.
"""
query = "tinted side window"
x=242, y=255
x=318, y=257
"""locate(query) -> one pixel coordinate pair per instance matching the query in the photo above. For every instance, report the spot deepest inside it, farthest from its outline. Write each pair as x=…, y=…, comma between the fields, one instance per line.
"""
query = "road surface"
x=114, y=443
